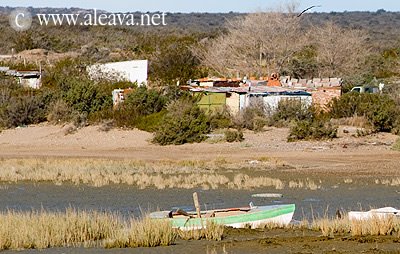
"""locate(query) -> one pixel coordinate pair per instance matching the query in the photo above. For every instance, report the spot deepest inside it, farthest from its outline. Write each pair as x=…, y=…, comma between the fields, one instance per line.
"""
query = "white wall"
x=271, y=101
x=133, y=71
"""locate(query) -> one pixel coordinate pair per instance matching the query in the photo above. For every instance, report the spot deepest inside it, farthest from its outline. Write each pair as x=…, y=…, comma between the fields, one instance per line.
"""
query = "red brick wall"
x=323, y=95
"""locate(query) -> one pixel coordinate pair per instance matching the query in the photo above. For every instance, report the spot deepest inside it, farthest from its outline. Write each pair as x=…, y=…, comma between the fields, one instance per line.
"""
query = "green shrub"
x=23, y=110
x=59, y=112
x=290, y=110
x=251, y=118
x=143, y=109
x=84, y=97
x=183, y=123
x=380, y=110
x=396, y=145
x=143, y=101
x=220, y=119
x=312, y=130
x=233, y=136
x=174, y=61
x=150, y=123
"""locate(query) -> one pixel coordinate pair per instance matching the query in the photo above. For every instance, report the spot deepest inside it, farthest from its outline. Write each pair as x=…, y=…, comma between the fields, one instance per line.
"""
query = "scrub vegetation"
x=206, y=45
x=216, y=174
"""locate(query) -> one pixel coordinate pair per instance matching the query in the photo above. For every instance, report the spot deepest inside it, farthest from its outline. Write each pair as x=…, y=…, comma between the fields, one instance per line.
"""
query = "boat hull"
x=380, y=213
x=255, y=217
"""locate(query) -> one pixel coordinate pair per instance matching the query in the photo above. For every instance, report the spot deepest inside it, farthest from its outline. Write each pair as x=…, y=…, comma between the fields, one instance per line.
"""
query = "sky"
x=206, y=5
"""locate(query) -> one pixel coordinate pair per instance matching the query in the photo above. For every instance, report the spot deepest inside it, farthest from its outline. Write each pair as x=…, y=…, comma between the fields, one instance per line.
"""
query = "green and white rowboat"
x=252, y=216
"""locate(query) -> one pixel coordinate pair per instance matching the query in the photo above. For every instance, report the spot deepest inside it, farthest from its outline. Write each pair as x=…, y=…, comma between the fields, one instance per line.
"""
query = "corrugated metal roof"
x=262, y=90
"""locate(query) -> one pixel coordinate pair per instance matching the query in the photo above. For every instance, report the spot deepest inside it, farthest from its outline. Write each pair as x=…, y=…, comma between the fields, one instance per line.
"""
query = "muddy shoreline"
x=279, y=241
x=348, y=174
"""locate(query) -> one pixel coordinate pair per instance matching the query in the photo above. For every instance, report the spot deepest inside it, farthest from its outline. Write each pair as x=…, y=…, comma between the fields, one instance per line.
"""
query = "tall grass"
x=329, y=227
x=375, y=226
x=212, y=232
x=389, y=182
x=142, y=233
x=306, y=184
x=73, y=228
x=39, y=230
x=396, y=145
x=163, y=174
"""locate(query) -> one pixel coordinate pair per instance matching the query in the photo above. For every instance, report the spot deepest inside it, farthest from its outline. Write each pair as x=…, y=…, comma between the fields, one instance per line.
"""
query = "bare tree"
x=265, y=42
x=259, y=43
x=340, y=51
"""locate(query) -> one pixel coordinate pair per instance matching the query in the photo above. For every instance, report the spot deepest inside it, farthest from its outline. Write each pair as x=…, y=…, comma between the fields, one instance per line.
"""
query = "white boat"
x=380, y=213
x=252, y=216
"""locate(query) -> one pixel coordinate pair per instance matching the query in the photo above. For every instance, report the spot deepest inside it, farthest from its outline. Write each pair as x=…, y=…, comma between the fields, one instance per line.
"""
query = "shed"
x=212, y=100
x=27, y=78
x=271, y=100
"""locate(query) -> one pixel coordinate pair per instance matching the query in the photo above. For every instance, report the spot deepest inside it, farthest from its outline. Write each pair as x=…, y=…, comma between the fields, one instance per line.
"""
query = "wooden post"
x=196, y=204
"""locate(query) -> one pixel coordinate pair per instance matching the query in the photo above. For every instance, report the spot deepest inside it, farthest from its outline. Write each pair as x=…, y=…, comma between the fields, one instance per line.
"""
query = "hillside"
x=383, y=28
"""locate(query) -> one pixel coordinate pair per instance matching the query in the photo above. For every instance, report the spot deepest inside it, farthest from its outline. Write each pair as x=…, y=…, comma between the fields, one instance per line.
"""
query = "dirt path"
x=345, y=155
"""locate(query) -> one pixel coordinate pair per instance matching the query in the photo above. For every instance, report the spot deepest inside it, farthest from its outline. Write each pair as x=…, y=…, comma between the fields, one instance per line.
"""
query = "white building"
x=133, y=71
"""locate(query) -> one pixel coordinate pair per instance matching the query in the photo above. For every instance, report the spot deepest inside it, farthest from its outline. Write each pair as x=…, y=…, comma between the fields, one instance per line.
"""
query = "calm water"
x=129, y=200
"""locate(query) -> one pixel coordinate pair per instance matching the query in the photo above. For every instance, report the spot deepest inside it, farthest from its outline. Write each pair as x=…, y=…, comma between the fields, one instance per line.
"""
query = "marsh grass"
x=375, y=226
x=73, y=228
x=161, y=175
x=212, y=232
x=388, y=182
x=396, y=145
x=304, y=184
x=39, y=230
x=142, y=233
x=330, y=227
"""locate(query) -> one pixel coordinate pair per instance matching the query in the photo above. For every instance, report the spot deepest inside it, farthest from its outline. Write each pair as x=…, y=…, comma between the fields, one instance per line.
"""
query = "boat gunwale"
x=255, y=214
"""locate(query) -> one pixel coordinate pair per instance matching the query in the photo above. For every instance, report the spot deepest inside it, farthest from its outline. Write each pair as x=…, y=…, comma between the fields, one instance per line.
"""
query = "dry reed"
x=73, y=228
x=376, y=225
x=142, y=233
x=307, y=184
x=162, y=174
x=389, y=182
x=212, y=232
x=329, y=227
x=39, y=230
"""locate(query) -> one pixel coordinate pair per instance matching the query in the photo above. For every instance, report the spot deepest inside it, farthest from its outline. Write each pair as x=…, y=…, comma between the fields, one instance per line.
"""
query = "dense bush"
x=143, y=109
x=233, y=136
x=150, y=123
x=184, y=122
x=85, y=97
x=380, y=110
x=314, y=129
x=59, y=112
x=220, y=119
x=175, y=61
x=290, y=110
x=251, y=118
x=23, y=110
x=144, y=101
x=396, y=145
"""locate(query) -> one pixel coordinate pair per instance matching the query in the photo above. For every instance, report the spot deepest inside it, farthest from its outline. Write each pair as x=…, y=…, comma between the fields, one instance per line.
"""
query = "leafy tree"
x=185, y=122
x=144, y=101
x=176, y=62
x=380, y=110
